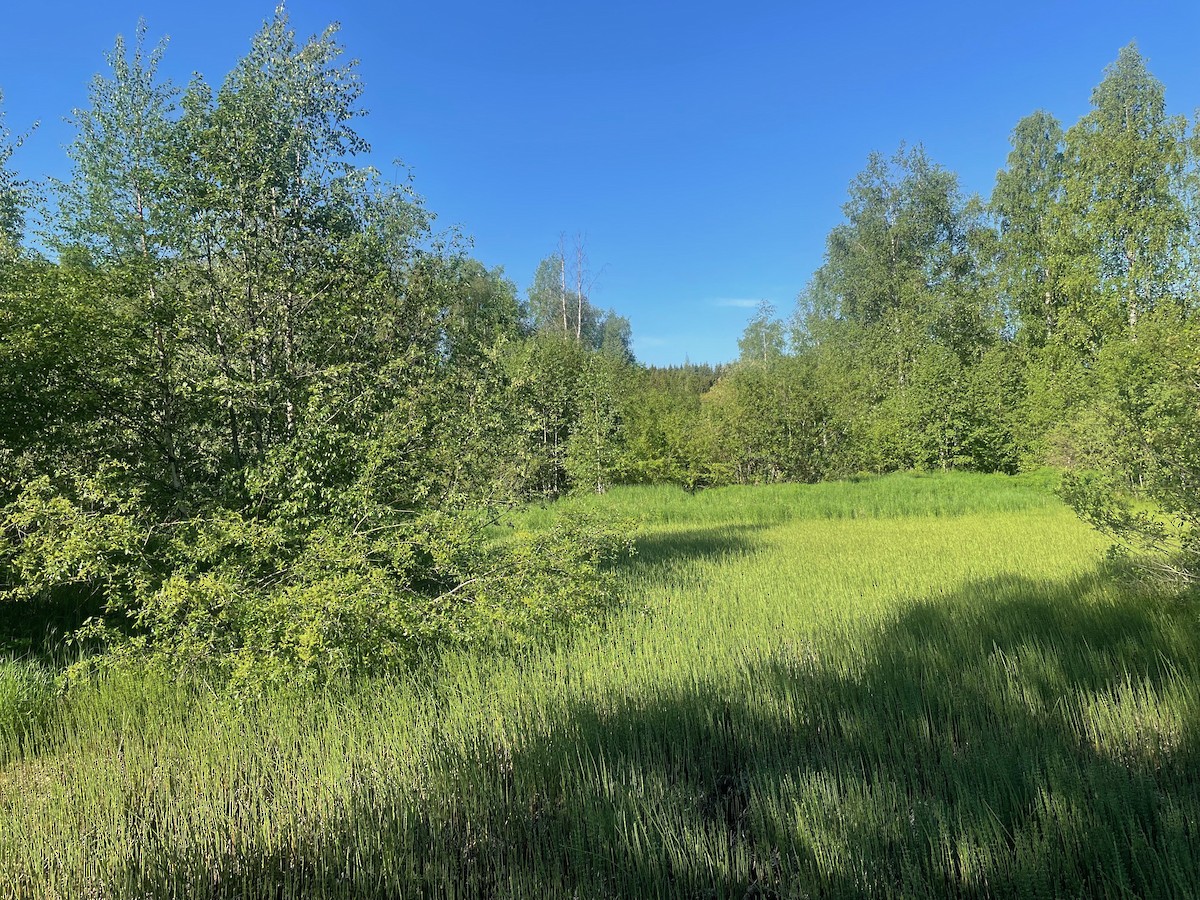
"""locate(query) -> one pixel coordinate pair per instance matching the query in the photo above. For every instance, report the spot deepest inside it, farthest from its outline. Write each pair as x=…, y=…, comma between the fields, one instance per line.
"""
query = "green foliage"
x=908, y=234
x=259, y=421
x=544, y=373
x=1122, y=230
x=1146, y=494
x=769, y=421
x=13, y=195
x=764, y=338
x=548, y=582
x=895, y=325
x=270, y=435
x=248, y=602
x=547, y=305
x=616, y=337
x=1025, y=201
x=949, y=415
x=660, y=424
x=592, y=455
x=114, y=208
x=85, y=539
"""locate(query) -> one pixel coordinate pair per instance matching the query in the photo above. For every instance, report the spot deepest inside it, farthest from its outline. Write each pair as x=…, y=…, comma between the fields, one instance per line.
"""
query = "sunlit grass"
x=900, y=494
x=883, y=688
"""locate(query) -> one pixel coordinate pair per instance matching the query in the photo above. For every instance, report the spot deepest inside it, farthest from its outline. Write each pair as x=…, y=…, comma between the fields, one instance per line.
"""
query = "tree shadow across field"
x=954, y=763
x=658, y=551
x=957, y=760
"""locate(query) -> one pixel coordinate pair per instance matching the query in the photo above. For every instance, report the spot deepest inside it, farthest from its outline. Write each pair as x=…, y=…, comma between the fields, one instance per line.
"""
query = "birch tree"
x=113, y=215
x=1124, y=225
x=1025, y=202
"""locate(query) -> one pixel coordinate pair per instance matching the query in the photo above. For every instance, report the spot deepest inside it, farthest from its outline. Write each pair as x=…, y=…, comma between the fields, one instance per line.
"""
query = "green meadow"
x=899, y=687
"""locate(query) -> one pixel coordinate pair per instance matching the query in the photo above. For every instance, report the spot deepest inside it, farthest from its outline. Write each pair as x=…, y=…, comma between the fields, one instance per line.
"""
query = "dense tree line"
x=945, y=331
x=257, y=414
x=1054, y=324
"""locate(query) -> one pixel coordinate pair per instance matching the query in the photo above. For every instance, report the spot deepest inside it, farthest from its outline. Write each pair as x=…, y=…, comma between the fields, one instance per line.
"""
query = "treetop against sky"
x=703, y=152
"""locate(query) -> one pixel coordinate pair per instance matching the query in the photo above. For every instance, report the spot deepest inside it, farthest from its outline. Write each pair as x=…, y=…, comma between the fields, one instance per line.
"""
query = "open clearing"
x=899, y=687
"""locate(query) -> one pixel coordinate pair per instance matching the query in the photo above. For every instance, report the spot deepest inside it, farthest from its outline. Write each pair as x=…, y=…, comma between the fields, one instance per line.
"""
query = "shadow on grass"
x=973, y=747
x=956, y=761
x=660, y=549
x=38, y=630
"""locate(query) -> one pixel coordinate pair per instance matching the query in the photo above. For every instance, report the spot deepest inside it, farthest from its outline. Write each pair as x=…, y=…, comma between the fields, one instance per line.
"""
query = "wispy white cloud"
x=736, y=302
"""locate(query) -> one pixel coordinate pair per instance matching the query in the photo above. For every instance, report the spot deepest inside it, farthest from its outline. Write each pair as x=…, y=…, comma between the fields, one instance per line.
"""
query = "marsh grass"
x=893, y=496
x=906, y=695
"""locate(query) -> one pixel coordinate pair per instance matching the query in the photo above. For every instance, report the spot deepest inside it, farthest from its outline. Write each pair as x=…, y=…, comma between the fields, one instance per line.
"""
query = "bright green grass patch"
x=891, y=496
x=953, y=704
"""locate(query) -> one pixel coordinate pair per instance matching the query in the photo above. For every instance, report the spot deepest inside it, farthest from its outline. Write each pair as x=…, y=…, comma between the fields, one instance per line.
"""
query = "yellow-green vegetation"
x=899, y=687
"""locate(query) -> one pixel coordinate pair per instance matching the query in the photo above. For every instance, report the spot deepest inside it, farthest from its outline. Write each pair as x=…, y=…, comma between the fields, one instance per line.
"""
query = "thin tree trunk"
x=579, y=292
x=1133, y=298
x=562, y=290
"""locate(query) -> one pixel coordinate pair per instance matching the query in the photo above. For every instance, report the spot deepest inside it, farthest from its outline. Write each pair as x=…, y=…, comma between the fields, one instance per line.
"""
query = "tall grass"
x=897, y=495
x=885, y=688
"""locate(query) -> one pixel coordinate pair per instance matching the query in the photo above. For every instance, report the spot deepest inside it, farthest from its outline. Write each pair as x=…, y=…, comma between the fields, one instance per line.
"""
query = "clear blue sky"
x=703, y=149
